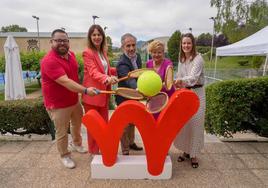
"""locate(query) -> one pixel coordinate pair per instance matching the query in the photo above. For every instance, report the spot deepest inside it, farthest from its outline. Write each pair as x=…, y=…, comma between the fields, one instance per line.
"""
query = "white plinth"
x=127, y=167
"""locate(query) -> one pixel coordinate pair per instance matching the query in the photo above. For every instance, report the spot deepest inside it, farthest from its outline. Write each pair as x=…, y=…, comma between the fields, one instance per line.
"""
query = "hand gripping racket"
x=124, y=92
x=134, y=74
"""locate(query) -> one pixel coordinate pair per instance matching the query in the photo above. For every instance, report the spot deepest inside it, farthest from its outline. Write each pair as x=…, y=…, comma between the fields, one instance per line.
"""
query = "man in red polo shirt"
x=60, y=88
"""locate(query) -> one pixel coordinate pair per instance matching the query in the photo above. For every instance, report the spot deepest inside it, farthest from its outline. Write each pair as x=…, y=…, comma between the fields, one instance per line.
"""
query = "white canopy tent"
x=14, y=84
x=256, y=44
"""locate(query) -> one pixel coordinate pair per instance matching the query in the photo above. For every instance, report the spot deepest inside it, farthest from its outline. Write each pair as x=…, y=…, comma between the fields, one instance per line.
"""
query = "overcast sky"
x=146, y=19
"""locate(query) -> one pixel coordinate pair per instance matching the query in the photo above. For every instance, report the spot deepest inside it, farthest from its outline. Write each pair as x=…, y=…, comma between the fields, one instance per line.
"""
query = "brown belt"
x=194, y=87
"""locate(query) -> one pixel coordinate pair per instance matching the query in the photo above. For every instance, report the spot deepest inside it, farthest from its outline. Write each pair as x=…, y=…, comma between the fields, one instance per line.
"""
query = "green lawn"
x=229, y=63
x=28, y=89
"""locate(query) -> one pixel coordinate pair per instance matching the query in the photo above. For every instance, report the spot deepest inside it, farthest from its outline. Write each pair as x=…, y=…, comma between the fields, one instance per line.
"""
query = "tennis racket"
x=157, y=103
x=169, y=76
x=124, y=92
x=134, y=74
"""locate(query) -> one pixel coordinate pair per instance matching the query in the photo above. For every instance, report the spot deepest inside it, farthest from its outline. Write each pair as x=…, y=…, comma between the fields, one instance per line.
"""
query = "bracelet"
x=85, y=91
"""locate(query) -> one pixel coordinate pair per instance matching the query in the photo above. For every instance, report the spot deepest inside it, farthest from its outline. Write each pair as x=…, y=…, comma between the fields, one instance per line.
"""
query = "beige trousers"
x=61, y=118
x=127, y=137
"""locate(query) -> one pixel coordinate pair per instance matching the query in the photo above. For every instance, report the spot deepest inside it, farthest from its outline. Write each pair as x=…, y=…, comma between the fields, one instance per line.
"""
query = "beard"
x=62, y=50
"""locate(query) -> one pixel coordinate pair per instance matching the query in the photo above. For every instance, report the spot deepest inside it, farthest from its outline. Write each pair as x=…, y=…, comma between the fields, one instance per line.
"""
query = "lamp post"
x=190, y=29
x=105, y=27
x=212, y=40
x=94, y=17
x=37, y=23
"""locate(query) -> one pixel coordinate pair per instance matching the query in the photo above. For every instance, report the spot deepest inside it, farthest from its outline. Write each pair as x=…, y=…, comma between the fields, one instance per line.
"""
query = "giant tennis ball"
x=149, y=83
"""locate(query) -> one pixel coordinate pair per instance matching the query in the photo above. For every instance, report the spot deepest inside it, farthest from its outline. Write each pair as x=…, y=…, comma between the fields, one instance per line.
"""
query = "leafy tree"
x=13, y=28
x=174, y=46
x=204, y=39
x=258, y=14
x=237, y=19
x=220, y=40
x=109, y=45
x=229, y=10
x=31, y=60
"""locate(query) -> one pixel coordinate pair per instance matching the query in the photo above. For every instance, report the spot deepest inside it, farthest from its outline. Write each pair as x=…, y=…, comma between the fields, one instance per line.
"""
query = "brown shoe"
x=194, y=162
x=135, y=147
x=183, y=157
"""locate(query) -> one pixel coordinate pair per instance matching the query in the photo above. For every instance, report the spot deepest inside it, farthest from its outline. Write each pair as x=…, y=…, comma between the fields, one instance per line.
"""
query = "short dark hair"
x=58, y=31
x=90, y=43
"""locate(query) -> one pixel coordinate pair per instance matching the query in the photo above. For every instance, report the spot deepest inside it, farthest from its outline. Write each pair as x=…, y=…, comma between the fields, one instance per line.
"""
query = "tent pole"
x=265, y=65
x=215, y=66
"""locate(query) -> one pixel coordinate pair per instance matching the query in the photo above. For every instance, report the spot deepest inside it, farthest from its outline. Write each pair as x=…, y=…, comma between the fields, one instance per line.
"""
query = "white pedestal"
x=127, y=167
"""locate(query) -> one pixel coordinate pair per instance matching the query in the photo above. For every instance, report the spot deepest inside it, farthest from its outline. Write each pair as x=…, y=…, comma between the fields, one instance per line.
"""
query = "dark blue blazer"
x=123, y=67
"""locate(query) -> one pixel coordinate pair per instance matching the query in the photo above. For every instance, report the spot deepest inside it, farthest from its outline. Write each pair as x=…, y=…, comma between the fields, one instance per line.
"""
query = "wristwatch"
x=85, y=91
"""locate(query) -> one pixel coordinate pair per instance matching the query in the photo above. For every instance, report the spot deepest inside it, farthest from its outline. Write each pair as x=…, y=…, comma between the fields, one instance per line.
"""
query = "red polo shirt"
x=54, y=66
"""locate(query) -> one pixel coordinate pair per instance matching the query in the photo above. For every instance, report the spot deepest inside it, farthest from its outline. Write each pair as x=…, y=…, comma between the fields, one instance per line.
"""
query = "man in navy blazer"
x=129, y=61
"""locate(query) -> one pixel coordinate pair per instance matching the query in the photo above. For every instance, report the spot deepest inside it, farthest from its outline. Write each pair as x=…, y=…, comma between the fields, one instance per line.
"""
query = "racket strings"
x=157, y=103
x=169, y=78
x=129, y=93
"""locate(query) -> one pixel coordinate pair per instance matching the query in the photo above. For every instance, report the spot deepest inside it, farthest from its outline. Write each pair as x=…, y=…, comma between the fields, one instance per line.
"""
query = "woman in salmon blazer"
x=98, y=74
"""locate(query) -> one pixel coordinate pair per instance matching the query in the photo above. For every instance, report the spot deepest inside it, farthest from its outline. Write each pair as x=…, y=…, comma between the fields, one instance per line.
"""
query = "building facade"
x=28, y=41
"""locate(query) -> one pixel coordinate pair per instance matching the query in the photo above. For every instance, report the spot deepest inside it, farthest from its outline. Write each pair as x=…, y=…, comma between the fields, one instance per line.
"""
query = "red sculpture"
x=157, y=135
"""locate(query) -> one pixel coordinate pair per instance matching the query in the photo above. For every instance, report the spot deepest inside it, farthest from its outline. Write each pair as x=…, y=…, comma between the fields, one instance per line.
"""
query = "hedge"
x=25, y=117
x=237, y=105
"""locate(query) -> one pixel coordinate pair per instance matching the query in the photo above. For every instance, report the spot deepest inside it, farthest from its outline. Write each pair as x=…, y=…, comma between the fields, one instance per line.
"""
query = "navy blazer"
x=123, y=67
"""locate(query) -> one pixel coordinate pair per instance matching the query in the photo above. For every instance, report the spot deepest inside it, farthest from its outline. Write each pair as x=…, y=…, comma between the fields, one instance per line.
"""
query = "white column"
x=265, y=65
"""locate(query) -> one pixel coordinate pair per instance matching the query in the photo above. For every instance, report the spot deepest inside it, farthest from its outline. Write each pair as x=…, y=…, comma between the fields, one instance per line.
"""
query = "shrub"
x=31, y=60
x=257, y=61
x=237, y=105
x=81, y=67
x=203, y=49
x=243, y=62
x=24, y=117
x=2, y=63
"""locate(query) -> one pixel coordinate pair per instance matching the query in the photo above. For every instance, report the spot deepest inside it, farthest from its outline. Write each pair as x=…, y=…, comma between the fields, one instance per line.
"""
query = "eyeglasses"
x=61, y=40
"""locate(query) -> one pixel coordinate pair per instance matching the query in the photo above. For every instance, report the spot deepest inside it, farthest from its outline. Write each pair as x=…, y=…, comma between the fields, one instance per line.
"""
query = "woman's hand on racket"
x=178, y=83
x=114, y=79
x=111, y=80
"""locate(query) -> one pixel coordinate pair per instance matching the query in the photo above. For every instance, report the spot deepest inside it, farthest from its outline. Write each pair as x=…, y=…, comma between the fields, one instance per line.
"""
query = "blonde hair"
x=155, y=45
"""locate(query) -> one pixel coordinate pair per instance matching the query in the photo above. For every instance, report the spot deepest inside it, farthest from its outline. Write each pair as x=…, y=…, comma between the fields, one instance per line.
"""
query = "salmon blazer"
x=95, y=76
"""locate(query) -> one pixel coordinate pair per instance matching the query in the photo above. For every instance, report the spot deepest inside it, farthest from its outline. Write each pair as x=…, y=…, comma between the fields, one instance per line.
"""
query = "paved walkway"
x=34, y=95
x=34, y=162
x=222, y=164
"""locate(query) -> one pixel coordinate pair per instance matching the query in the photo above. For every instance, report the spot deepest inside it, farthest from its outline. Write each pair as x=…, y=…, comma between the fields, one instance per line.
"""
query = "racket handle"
x=106, y=92
x=123, y=78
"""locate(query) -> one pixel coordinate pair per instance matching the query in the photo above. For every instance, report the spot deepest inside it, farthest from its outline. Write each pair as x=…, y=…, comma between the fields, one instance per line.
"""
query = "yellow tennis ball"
x=149, y=83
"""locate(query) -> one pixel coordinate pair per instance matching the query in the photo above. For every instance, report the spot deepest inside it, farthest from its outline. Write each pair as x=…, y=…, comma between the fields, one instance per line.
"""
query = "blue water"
x=32, y=75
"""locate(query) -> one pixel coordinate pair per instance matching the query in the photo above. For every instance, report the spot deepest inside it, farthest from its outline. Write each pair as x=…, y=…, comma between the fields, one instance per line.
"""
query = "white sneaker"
x=79, y=149
x=68, y=162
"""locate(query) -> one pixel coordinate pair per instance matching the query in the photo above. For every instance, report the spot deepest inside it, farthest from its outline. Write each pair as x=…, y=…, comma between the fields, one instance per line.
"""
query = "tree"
x=258, y=14
x=204, y=39
x=220, y=40
x=109, y=45
x=13, y=28
x=237, y=19
x=229, y=10
x=174, y=46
